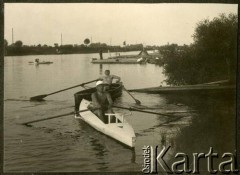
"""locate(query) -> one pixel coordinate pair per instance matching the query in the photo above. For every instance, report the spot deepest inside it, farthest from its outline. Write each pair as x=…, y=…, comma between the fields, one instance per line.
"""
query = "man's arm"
x=116, y=77
x=100, y=78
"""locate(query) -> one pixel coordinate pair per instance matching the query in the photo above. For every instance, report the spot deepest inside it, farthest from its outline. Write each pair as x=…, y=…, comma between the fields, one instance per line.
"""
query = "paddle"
x=149, y=112
x=136, y=100
x=62, y=115
x=40, y=97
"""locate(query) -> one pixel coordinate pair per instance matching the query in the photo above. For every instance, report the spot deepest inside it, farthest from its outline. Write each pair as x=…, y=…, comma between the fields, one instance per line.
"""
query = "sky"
x=149, y=24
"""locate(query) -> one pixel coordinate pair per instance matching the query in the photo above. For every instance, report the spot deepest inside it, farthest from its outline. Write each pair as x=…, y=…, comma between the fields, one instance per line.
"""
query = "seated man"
x=107, y=79
x=101, y=102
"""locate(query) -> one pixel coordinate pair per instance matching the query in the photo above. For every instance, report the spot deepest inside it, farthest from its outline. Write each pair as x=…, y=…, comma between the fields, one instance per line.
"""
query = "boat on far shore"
x=37, y=62
x=142, y=58
x=116, y=61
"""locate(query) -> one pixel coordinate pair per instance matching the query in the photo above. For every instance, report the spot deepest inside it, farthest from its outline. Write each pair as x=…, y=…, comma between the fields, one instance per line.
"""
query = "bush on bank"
x=211, y=57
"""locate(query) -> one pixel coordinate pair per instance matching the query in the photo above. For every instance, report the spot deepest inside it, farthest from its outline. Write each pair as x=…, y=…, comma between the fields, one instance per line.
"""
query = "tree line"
x=211, y=57
x=18, y=48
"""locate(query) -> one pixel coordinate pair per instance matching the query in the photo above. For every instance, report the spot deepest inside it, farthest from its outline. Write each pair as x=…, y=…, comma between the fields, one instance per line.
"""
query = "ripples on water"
x=69, y=145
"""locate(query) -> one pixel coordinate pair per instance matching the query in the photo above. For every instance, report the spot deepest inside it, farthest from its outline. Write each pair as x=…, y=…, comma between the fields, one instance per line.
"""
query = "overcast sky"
x=151, y=24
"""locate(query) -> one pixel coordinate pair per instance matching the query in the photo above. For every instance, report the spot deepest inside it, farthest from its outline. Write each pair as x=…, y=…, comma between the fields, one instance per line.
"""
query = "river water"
x=69, y=145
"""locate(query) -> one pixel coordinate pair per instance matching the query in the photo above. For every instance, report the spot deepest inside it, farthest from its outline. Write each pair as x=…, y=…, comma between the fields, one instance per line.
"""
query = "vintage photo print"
x=120, y=87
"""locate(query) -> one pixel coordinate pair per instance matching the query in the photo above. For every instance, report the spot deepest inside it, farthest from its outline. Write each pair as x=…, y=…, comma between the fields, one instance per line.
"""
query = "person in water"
x=37, y=61
x=101, y=102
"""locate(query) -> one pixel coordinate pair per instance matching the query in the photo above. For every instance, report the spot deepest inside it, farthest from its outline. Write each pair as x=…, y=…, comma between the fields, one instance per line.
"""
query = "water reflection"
x=100, y=69
x=133, y=158
x=97, y=144
x=212, y=126
x=100, y=153
x=105, y=149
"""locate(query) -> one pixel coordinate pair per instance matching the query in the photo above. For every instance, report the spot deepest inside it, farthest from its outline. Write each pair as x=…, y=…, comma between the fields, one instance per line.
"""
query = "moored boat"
x=115, y=61
x=45, y=62
x=117, y=127
x=189, y=89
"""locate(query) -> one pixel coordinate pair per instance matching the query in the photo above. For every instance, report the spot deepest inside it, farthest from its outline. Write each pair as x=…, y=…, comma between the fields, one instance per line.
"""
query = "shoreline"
x=31, y=54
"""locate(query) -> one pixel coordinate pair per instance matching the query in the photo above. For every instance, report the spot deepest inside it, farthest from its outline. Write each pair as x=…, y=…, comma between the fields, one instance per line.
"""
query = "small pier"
x=116, y=61
x=212, y=88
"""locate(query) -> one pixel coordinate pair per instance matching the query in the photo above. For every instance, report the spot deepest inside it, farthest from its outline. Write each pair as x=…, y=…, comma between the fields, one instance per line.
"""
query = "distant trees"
x=5, y=43
x=98, y=45
x=216, y=45
x=180, y=65
x=211, y=57
x=86, y=41
x=18, y=43
x=19, y=49
x=5, y=46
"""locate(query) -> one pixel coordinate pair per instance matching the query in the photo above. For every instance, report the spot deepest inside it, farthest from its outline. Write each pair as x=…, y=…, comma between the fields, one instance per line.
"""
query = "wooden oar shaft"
x=40, y=97
x=72, y=87
x=149, y=112
x=137, y=101
x=62, y=115
x=128, y=92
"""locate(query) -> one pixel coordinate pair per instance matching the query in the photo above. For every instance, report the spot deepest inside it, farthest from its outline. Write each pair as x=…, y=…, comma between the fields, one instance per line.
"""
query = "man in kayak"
x=101, y=102
x=107, y=78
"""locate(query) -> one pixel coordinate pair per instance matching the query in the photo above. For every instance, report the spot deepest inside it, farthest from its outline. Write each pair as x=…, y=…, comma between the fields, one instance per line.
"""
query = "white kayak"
x=118, y=128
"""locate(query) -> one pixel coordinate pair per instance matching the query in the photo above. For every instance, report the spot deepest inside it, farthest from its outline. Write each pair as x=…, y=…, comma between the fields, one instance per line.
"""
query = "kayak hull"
x=119, y=130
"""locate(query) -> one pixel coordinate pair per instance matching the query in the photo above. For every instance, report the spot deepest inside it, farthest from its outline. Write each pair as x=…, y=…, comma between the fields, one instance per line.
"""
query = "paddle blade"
x=38, y=97
x=137, y=101
x=28, y=125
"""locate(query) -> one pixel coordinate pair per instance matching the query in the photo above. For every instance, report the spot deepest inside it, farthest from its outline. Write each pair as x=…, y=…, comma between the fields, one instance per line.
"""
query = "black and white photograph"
x=120, y=87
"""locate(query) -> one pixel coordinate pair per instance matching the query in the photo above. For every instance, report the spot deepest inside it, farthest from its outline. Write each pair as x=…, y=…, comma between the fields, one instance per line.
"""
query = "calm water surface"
x=68, y=145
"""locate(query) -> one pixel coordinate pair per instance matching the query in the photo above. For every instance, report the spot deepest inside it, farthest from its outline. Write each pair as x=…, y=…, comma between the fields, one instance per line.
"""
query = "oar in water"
x=138, y=110
x=56, y=116
x=40, y=97
x=136, y=100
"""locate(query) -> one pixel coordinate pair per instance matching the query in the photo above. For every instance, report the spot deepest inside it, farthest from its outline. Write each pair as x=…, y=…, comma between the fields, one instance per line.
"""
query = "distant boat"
x=45, y=62
x=37, y=62
x=116, y=61
x=142, y=54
